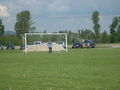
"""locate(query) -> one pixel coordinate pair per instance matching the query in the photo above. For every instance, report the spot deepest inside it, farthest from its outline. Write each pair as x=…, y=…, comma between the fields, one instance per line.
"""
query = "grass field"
x=79, y=69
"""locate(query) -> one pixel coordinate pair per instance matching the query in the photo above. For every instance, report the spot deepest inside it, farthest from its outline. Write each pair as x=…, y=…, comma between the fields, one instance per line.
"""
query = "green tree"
x=87, y=34
x=96, y=27
x=24, y=23
x=118, y=32
x=63, y=31
x=79, y=32
x=1, y=28
x=113, y=28
x=104, y=37
x=70, y=35
x=73, y=39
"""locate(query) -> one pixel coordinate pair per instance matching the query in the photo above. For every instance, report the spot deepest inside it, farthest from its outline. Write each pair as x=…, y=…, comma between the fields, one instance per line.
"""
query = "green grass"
x=79, y=69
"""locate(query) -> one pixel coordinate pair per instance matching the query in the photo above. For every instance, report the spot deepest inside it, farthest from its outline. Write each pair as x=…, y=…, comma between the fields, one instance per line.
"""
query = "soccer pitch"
x=79, y=69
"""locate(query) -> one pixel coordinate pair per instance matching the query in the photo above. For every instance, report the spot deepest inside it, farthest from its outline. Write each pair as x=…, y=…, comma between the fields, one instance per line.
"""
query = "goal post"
x=44, y=34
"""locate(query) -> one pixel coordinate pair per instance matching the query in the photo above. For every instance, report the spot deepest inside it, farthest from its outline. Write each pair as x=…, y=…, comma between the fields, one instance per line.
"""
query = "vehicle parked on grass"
x=1, y=47
x=84, y=44
x=89, y=43
x=77, y=45
x=35, y=43
x=10, y=46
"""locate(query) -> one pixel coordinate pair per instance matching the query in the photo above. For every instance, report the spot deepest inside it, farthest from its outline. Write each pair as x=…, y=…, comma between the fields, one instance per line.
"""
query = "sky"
x=56, y=15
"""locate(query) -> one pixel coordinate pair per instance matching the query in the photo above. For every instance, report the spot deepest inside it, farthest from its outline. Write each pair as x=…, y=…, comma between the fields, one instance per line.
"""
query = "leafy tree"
x=87, y=34
x=113, y=28
x=73, y=39
x=70, y=36
x=63, y=31
x=1, y=28
x=10, y=39
x=96, y=27
x=104, y=37
x=79, y=32
x=24, y=23
x=118, y=33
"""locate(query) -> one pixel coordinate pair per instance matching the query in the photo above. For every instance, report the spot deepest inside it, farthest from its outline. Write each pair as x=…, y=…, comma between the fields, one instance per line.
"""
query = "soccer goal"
x=35, y=42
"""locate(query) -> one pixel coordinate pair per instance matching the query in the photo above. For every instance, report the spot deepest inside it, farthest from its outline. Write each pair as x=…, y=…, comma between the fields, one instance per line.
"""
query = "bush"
x=10, y=39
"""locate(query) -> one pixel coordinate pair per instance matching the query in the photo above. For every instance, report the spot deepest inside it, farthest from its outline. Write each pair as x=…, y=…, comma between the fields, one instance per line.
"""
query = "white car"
x=37, y=42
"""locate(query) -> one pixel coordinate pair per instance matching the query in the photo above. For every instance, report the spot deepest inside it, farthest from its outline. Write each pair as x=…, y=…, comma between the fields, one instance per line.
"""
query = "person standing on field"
x=49, y=44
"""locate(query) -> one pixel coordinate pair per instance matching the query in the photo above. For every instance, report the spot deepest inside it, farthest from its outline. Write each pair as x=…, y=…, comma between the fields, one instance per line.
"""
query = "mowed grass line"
x=79, y=69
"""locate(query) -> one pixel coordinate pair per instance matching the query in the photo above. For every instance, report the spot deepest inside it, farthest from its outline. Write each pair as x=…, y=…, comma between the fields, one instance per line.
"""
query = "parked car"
x=90, y=43
x=35, y=43
x=85, y=45
x=1, y=47
x=10, y=46
x=77, y=45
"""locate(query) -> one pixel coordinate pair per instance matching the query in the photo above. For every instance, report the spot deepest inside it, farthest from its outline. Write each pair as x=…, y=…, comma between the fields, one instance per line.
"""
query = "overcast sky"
x=55, y=15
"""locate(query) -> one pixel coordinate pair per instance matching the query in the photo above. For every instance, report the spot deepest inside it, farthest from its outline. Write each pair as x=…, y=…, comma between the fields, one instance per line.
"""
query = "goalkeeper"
x=49, y=44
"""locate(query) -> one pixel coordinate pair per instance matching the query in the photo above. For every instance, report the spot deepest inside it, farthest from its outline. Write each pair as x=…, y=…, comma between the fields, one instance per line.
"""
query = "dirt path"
x=108, y=45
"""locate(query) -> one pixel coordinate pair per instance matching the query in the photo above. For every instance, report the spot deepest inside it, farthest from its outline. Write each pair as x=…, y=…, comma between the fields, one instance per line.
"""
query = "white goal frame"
x=25, y=39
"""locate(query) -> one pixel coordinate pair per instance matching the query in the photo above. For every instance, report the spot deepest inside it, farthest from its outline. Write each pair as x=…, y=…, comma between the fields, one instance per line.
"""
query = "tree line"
x=24, y=24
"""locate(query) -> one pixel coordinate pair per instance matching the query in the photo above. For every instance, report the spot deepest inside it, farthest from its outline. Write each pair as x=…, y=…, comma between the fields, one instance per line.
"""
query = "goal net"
x=35, y=42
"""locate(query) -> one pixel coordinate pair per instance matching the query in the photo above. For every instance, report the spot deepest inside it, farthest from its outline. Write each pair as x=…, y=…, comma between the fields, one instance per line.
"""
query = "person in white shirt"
x=49, y=44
